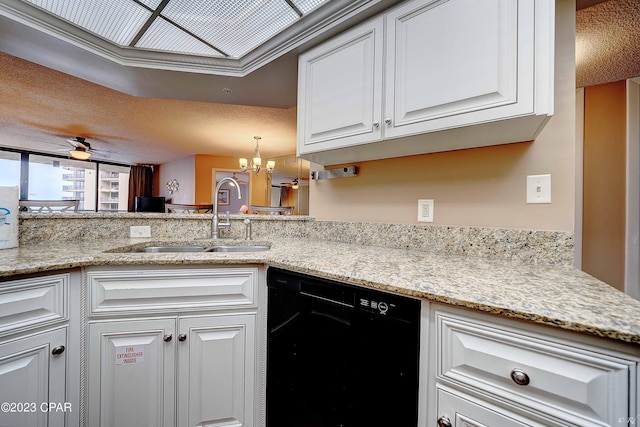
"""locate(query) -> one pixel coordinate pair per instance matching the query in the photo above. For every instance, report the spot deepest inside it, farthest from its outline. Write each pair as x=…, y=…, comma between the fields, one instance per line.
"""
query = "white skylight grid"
x=153, y=4
x=115, y=20
x=166, y=37
x=233, y=26
x=203, y=27
x=306, y=6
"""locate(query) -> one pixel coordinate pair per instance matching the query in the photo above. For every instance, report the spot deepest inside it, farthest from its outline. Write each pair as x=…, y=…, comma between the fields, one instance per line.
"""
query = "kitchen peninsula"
x=518, y=279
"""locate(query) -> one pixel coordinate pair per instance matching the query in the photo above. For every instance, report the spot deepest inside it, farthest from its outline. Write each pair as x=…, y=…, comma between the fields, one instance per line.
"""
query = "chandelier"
x=256, y=162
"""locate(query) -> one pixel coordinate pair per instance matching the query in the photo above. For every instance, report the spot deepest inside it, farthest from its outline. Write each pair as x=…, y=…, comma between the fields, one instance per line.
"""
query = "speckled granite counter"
x=559, y=296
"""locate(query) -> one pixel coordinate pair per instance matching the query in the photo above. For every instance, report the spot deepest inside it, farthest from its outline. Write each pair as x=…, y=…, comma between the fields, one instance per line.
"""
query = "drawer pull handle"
x=444, y=421
x=519, y=377
x=57, y=350
x=167, y=338
x=182, y=337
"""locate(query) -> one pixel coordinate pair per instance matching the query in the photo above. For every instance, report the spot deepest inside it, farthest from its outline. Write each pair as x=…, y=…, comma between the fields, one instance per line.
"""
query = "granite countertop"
x=557, y=296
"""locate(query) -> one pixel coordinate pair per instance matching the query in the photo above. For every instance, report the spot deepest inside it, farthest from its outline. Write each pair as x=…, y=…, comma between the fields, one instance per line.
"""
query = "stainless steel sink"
x=159, y=249
x=220, y=248
x=241, y=248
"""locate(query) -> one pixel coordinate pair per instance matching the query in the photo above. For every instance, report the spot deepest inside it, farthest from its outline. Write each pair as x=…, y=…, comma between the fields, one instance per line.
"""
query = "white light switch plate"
x=139, y=231
x=539, y=188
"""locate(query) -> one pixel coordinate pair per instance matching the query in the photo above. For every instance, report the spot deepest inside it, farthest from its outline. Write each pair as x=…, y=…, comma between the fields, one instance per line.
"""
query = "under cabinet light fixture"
x=344, y=172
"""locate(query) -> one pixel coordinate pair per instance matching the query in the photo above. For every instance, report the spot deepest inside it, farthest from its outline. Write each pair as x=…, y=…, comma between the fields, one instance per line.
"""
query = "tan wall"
x=603, y=249
x=203, y=182
x=479, y=187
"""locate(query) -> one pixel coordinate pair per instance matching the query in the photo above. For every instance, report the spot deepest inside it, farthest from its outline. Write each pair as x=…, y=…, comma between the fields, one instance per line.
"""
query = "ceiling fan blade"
x=79, y=141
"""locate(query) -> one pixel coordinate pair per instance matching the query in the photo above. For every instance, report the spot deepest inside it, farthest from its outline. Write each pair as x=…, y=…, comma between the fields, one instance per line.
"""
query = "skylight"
x=212, y=28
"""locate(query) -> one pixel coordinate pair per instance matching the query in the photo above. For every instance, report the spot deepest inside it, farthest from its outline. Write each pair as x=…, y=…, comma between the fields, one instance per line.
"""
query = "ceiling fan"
x=241, y=180
x=295, y=183
x=81, y=148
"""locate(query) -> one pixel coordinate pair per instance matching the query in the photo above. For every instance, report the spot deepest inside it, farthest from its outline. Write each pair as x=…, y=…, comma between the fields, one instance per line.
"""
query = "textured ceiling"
x=607, y=42
x=41, y=108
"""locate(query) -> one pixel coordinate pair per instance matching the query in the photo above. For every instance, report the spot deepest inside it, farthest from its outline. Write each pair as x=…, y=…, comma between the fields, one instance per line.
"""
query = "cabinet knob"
x=376, y=124
x=182, y=337
x=444, y=421
x=519, y=376
x=57, y=350
x=388, y=120
x=167, y=338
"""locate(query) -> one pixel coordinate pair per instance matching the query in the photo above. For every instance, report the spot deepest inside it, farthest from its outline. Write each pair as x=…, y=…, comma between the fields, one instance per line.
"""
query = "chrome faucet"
x=216, y=224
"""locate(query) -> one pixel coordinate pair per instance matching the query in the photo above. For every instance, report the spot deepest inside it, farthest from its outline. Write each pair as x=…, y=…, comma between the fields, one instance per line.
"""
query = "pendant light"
x=256, y=161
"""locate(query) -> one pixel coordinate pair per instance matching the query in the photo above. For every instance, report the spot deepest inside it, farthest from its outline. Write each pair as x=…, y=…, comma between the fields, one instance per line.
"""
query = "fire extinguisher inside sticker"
x=130, y=355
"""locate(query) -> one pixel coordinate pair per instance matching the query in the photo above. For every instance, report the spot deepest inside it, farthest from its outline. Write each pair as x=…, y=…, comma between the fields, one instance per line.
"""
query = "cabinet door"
x=31, y=377
x=457, y=410
x=458, y=62
x=131, y=373
x=216, y=371
x=340, y=90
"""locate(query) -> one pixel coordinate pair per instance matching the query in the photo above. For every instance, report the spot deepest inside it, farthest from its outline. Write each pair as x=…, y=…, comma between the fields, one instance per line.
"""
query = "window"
x=9, y=169
x=113, y=188
x=98, y=186
x=51, y=178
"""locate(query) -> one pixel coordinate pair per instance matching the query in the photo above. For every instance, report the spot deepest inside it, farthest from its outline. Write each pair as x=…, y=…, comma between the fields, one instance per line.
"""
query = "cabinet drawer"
x=464, y=411
x=147, y=289
x=30, y=302
x=567, y=381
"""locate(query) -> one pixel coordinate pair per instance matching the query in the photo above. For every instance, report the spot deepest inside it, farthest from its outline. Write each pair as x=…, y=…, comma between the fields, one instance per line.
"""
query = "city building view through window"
x=98, y=186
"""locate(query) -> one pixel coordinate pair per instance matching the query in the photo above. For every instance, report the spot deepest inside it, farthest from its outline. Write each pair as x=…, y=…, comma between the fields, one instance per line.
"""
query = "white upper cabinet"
x=428, y=76
x=457, y=62
x=340, y=90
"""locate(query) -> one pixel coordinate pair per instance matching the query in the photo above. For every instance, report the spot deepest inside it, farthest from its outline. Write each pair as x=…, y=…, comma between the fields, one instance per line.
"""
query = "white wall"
x=184, y=171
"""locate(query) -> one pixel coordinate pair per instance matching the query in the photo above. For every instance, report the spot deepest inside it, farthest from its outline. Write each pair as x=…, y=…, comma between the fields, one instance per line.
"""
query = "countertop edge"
x=307, y=264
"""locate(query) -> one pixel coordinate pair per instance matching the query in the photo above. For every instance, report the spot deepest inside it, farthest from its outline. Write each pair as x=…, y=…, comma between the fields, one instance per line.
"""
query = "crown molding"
x=335, y=14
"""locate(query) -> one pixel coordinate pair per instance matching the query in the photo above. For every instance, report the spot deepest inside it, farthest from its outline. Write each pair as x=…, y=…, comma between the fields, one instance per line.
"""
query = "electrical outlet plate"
x=425, y=210
x=139, y=231
x=538, y=189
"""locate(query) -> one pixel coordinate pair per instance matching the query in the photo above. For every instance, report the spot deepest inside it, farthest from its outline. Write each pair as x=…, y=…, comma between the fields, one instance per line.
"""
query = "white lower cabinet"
x=489, y=371
x=141, y=368
x=131, y=373
x=216, y=371
x=460, y=410
x=33, y=375
x=40, y=350
x=152, y=362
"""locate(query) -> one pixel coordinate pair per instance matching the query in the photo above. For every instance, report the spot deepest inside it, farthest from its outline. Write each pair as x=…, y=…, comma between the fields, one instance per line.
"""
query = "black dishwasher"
x=340, y=355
